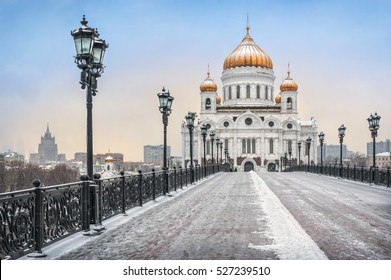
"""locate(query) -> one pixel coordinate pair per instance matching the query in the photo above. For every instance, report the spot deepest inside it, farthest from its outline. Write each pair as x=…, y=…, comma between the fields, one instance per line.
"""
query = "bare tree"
x=18, y=175
x=358, y=159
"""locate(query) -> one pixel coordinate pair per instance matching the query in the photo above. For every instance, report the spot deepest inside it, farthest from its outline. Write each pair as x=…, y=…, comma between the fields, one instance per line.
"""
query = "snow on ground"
x=290, y=240
x=241, y=216
x=216, y=219
x=346, y=219
x=228, y=216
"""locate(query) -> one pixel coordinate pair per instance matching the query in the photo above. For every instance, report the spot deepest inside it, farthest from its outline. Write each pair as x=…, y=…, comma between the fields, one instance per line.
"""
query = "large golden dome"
x=248, y=53
x=208, y=85
x=288, y=84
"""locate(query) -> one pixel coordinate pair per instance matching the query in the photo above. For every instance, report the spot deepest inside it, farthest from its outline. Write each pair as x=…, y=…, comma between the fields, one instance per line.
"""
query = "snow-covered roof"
x=306, y=123
x=385, y=154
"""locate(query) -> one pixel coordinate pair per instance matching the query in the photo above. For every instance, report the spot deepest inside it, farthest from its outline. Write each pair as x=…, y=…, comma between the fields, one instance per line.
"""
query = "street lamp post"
x=217, y=151
x=204, y=133
x=90, y=51
x=285, y=159
x=221, y=152
x=321, y=140
x=341, y=135
x=308, y=142
x=373, y=122
x=299, y=146
x=165, y=103
x=212, y=139
x=190, y=125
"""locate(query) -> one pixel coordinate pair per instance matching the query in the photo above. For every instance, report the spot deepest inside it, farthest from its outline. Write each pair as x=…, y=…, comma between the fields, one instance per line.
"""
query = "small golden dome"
x=248, y=54
x=109, y=159
x=218, y=99
x=208, y=85
x=278, y=99
x=288, y=84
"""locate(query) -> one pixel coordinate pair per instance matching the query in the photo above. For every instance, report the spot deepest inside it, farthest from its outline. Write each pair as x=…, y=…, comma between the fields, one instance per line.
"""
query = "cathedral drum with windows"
x=256, y=126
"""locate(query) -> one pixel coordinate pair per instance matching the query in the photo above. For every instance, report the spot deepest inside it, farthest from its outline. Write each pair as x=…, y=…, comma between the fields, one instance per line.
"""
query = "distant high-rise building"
x=154, y=154
x=47, y=149
x=380, y=146
x=332, y=153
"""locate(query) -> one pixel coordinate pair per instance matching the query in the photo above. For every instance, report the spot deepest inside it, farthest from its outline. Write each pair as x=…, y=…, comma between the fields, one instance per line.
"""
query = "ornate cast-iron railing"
x=34, y=218
x=381, y=177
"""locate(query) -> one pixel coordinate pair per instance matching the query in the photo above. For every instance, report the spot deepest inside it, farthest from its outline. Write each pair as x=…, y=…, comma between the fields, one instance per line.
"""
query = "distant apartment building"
x=81, y=156
x=380, y=146
x=154, y=154
x=10, y=156
x=175, y=161
x=332, y=153
x=61, y=158
x=382, y=160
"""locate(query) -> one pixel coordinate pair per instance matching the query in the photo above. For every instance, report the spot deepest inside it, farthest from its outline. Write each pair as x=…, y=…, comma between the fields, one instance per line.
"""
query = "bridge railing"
x=381, y=177
x=34, y=218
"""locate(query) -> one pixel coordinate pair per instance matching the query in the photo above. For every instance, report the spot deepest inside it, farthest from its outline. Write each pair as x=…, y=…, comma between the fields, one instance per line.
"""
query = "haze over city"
x=338, y=52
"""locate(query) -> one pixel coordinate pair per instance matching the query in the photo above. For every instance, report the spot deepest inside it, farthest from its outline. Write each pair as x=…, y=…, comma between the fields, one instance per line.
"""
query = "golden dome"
x=278, y=99
x=109, y=159
x=218, y=99
x=208, y=85
x=288, y=84
x=248, y=53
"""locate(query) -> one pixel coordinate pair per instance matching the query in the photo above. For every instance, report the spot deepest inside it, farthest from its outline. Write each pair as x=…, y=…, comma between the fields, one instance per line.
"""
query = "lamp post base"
x=36, y=255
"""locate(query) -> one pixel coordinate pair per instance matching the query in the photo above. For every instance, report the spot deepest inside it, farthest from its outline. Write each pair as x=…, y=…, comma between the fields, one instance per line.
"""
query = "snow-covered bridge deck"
x=248, y=216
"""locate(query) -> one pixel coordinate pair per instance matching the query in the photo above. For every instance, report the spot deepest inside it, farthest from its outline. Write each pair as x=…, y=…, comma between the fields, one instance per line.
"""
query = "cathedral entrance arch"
x=248, y=166
x=272, y=167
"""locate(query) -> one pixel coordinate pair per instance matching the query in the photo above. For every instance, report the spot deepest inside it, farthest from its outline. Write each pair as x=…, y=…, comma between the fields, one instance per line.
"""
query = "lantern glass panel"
x=86, y=45
x=78, y=45
x=188, y=120
x=169, y=102
x=97, y=54
x=370, y=121
x=377, y=120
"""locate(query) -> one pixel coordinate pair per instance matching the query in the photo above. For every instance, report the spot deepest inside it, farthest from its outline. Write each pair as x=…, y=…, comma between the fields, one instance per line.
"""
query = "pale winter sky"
x=339, y=53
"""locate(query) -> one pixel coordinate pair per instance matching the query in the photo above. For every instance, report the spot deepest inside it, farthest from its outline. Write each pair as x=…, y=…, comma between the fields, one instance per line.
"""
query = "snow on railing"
x=381, y=177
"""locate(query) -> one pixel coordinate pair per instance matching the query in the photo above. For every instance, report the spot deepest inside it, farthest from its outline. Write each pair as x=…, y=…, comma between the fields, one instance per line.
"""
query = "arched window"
x=230, y=93
x=248, y=91
x=225, y=93
x=289, y=144
x=207, y=103
x=253, y=146
x=207, y=147
x=226, y=143
x=249, y=146
x=271, y=146
x=272, y=94
x=266, y=92
x=289, y=103
x=258, y=91
x=237, y=91
x=243, y=146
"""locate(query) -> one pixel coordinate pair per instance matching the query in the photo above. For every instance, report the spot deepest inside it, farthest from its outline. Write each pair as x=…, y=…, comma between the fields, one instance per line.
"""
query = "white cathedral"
x=255, y=126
